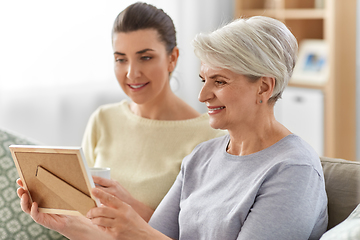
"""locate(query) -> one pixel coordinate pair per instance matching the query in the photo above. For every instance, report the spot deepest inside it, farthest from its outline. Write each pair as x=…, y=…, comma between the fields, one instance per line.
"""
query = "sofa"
x=342, y=183
x=342, y=179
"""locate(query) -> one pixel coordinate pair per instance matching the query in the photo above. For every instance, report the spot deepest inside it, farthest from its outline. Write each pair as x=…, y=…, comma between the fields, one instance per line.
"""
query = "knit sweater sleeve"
x=90, y=139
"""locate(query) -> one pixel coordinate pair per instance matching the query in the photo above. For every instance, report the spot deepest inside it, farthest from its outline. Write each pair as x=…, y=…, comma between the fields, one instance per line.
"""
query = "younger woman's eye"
x=120, y=60
x=146, y=58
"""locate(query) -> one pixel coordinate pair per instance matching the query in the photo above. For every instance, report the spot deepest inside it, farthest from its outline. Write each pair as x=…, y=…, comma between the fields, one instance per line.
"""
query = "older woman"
x=260, y=181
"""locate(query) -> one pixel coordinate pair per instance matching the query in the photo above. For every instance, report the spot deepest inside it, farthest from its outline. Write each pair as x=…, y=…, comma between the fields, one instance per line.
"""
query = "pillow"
x=14, y=223
x=342, y=183
x=347, y=230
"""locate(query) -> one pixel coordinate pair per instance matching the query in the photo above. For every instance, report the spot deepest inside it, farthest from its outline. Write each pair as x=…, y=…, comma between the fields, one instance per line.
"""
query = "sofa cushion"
x=342, y=180
x=14, y=223
x=347, y=230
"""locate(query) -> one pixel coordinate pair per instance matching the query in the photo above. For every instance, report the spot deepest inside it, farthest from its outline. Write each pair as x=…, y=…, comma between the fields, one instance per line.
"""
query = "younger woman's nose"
x=133, y=71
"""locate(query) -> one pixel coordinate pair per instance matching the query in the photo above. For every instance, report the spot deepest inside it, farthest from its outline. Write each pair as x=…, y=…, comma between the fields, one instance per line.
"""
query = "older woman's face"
x=230, y=98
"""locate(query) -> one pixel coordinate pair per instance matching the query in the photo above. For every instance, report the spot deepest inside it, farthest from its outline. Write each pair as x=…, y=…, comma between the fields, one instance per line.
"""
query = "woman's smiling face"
x=230, y=97
x=142, y=65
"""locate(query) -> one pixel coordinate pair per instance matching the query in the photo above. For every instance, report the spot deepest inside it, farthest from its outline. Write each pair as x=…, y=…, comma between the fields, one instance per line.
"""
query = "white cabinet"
x=301, y=110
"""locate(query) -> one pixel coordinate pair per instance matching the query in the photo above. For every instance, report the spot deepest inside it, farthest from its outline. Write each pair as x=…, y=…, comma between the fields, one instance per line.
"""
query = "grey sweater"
x=277, y=193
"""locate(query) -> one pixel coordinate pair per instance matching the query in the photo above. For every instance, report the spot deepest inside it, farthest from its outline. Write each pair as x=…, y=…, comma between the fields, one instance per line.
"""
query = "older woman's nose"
x=206, y=93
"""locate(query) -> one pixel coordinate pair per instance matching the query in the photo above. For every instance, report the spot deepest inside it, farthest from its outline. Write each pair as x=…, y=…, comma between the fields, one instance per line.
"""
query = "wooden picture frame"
x=312, y=67
x=57, y=178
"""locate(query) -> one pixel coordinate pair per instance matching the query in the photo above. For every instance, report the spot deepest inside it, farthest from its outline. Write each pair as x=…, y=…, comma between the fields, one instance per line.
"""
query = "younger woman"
x=144, y=140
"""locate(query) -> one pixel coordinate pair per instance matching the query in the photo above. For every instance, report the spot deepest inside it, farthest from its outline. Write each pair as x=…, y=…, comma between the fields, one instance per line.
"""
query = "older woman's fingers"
x=106, y=198
x=103, y=222
x=34, y=212
x=103, y=182
x=102, y=216
x=20, y=191
x=19, y=182
x=25, y=200
x=27, y=207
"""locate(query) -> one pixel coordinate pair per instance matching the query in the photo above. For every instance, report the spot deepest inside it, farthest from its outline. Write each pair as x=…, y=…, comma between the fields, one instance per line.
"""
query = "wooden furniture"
x=335, y=22
x=302, y=111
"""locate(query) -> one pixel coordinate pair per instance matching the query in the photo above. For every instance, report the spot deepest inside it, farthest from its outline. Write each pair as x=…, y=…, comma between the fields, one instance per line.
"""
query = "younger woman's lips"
x=137, y=86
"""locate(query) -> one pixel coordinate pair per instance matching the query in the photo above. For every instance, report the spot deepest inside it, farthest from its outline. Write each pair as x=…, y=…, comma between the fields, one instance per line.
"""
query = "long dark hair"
x=139, y=16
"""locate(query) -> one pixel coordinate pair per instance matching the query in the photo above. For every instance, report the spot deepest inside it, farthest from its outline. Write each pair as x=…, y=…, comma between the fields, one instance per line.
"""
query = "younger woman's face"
x=142, y=65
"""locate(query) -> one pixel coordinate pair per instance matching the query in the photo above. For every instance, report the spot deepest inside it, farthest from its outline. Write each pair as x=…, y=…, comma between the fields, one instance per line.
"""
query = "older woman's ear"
x=266, y=88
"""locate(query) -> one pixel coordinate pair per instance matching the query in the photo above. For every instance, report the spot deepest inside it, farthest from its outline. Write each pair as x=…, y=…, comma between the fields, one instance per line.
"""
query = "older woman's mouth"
x=214, y=110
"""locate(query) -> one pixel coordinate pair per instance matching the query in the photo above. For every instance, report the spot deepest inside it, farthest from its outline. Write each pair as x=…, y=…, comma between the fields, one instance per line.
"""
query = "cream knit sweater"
x=144, y=155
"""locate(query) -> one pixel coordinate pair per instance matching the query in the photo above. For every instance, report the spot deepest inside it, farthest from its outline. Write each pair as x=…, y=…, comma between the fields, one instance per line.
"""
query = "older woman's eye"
x=220, y=82
x=202, y=79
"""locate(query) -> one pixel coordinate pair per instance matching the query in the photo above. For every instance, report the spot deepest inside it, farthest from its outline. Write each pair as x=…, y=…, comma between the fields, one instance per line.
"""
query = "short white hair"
x=255, y=47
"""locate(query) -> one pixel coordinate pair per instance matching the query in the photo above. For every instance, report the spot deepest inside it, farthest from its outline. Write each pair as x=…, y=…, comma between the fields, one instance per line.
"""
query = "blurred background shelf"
x=335, y=22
